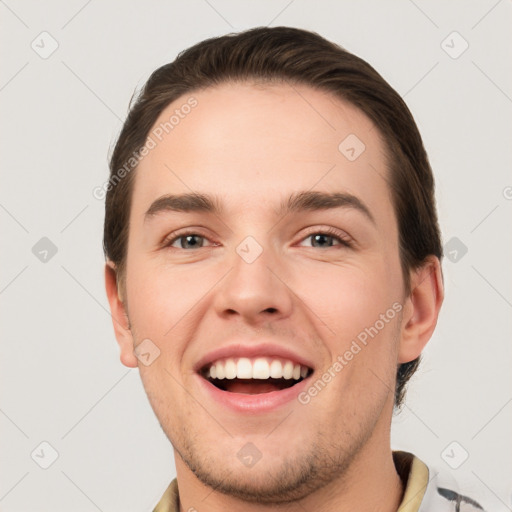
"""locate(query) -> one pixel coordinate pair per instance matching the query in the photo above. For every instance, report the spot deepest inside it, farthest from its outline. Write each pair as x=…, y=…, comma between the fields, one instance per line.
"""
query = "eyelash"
x=344, y=240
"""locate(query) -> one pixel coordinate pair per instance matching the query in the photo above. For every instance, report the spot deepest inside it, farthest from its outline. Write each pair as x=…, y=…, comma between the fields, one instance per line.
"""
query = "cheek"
x=356, y=315
x=347, y=299
x=159, y=297
x=166, y=304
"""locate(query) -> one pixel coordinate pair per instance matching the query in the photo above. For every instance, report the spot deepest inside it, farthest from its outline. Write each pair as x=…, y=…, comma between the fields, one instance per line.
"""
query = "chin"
x=271, y=481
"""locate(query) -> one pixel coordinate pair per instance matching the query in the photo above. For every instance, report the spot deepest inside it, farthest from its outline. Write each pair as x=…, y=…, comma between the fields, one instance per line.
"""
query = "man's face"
x=258, y=283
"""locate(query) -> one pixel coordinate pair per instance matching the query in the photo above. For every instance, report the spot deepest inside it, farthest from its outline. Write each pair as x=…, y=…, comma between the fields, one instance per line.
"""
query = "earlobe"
x=119, y=317
x=421, y=310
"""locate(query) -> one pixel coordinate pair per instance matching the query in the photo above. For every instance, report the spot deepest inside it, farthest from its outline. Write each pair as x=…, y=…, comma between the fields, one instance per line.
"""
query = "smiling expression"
x=256, y=246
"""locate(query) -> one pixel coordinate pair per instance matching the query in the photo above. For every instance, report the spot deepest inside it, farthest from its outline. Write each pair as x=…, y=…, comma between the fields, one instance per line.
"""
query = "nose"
x=255, y=291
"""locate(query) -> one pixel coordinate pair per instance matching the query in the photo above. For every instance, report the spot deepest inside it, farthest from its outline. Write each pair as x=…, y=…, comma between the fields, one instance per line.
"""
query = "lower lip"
x=261, y=402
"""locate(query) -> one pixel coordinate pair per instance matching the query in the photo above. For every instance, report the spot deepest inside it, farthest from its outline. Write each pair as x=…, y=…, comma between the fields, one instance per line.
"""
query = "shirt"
x=426, y=490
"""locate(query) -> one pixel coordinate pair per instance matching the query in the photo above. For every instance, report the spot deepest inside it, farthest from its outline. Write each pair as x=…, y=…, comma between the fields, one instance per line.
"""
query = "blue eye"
x=325, y=238
x=321, y=238
x=329, y=235
x=187, y=239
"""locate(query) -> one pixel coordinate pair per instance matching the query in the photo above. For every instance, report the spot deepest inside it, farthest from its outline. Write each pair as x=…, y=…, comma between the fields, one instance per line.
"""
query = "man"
x=273, y=269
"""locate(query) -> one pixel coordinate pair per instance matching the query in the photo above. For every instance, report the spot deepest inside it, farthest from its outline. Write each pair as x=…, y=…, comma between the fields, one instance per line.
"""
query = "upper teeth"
x=257, y=368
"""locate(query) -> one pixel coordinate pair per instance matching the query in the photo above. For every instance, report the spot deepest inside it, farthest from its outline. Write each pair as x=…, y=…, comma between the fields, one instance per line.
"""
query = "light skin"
x=253, y=146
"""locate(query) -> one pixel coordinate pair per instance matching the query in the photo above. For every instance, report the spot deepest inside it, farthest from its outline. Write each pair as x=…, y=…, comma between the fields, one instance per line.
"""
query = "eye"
x=327, y=237
x=319, y=238
x=188, y=240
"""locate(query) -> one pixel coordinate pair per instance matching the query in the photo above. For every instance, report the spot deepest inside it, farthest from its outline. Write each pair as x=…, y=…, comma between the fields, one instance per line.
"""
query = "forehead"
x=250, y=143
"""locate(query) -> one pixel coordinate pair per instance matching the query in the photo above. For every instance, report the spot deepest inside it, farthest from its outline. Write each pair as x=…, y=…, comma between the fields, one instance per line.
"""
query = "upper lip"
x=252, y=350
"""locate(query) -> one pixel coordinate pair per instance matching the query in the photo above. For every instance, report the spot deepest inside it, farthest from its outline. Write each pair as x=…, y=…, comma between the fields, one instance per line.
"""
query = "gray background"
x=61, y=380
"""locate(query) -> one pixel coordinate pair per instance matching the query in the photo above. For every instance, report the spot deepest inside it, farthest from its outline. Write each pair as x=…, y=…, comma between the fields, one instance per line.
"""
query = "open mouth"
x=254, y=376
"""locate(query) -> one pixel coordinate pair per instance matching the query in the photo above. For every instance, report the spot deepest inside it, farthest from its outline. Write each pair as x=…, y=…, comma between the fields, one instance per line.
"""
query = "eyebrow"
x=297, y=202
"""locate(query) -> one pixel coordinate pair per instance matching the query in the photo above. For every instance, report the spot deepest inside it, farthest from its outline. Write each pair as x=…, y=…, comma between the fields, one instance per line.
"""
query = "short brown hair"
x=290, y=55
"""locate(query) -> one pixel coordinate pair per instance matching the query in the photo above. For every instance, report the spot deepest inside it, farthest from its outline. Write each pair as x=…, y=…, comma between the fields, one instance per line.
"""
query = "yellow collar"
x=414, y=474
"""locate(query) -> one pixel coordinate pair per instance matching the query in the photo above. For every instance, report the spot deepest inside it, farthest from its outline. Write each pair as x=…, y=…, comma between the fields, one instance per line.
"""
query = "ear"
x=421, y=309
x=119, y=317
